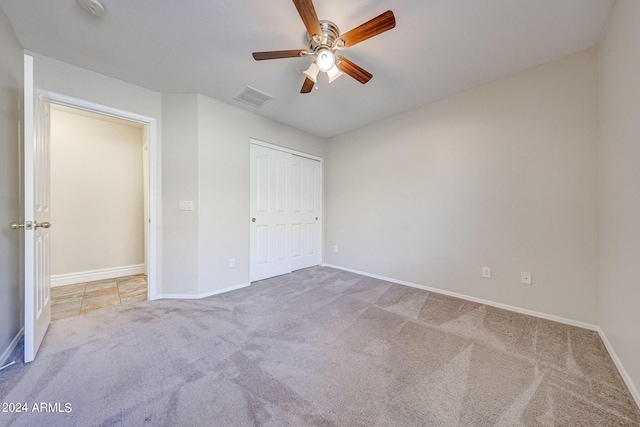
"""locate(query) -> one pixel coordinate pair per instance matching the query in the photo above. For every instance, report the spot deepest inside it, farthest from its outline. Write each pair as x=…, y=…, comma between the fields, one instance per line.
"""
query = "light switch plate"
x=486, y=272
x=185, y=205
x=525, y=278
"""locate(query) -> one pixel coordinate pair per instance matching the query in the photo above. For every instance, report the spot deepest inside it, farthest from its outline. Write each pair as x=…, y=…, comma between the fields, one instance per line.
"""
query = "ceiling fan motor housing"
x=330, y=33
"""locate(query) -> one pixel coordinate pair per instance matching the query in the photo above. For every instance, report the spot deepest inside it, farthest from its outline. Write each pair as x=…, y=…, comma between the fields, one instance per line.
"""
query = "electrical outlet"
x=486, y=272
x=525, y=278
x=232, y=262
x=335, y=249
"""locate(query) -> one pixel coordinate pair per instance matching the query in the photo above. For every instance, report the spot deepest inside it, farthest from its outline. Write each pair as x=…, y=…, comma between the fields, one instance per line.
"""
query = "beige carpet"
x=318, y=347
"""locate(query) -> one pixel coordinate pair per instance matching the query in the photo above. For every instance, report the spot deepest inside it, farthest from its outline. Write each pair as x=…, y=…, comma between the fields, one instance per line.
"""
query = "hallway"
x=72, y=300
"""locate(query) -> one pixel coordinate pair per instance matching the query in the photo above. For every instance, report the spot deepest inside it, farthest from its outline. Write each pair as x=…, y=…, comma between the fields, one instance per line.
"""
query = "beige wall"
x=503, y=176
x=11, y=87
x=96, y=193
x=619, y=167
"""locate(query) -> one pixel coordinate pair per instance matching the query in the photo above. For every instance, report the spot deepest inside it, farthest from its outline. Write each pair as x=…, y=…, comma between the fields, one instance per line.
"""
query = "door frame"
x=286, y=150
x=153, y=263
x=253, y=141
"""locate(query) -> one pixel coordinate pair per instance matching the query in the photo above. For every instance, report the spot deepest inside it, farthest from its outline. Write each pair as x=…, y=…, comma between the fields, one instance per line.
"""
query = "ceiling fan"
x=324, y=40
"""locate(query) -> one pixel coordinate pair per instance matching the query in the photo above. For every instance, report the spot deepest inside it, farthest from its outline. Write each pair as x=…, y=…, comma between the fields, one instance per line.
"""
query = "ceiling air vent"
x=253, y=97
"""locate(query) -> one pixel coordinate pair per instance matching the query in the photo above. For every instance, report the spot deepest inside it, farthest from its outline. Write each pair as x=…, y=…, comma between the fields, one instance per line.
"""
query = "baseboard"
x=14, y=342
x=206, y=294
x=474, y=299
x=623, y=372
x=93, y=275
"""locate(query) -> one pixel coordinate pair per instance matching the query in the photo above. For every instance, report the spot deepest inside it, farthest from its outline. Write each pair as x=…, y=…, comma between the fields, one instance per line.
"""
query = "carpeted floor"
x=318, y=347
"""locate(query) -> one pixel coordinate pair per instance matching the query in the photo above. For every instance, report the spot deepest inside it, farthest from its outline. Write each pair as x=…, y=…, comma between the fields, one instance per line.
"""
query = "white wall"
x=206, y=151
x=201, y=141
x=58, y=77
x=11, y=89
x=180, y=182
x=619, y=166
x=223, y=135
x=97, y=203
x=503, y=176
x=66, y=79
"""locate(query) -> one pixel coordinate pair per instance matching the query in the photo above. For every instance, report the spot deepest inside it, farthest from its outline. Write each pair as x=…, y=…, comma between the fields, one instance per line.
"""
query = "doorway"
x=99, y=202
x=35, y=185
x=150, y=172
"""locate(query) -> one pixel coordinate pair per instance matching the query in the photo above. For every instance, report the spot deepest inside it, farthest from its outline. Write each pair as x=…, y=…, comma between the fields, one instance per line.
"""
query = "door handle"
x=253, y=220
x=28, y=225
x=42, y=225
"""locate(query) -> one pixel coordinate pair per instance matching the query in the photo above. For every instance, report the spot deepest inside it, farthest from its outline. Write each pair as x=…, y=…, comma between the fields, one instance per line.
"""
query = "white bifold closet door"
x=285, y=208
x=306, y=251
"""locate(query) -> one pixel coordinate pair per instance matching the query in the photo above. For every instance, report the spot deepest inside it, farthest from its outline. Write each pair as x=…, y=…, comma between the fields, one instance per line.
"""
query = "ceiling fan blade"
x=275, y=54
x=348, y=67
x=307, y=86
x=309, y=17
x=377, y=25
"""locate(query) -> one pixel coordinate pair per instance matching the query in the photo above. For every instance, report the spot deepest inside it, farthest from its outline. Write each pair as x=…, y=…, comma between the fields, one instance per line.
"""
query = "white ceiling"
x=438, y=48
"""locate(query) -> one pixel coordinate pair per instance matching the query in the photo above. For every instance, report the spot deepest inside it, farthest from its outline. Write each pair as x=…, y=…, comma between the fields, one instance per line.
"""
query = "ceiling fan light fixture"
x=325, y=60
x=334, y=73
x=312, y=72
x=324, y=40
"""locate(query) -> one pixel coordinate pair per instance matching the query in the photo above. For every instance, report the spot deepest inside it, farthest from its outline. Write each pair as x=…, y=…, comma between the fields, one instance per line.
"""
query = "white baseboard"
x=14, y=342
x=474, y=299
x=206, y=294
x=93, y=275
x=623, y=372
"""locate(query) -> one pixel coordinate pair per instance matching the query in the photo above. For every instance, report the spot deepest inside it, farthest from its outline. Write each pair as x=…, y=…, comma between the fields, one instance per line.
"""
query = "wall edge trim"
x=204, y=295
x=623, y=372
x=14, y=342
x=533, y=313
x=265, y=144
x=93, y=275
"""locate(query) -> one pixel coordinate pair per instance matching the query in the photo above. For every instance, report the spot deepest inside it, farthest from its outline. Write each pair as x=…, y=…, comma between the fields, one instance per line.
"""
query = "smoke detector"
x=94, y=7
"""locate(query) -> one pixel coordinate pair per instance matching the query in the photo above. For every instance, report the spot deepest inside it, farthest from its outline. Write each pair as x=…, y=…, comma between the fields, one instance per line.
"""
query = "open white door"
x=36, y=215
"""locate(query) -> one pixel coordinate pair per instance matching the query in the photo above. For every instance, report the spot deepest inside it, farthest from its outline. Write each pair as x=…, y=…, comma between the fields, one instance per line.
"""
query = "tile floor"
x=71, y=300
